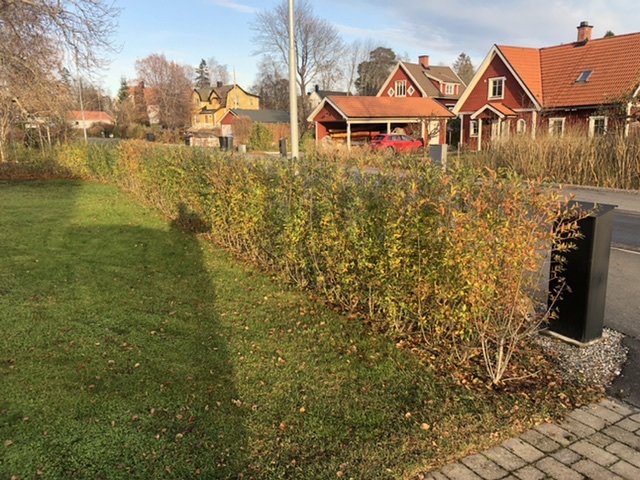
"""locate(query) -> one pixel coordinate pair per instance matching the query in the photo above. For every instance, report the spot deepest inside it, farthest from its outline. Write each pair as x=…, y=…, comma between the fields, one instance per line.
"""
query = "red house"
x=589, y=84
x=423, y=80
x=358, y=119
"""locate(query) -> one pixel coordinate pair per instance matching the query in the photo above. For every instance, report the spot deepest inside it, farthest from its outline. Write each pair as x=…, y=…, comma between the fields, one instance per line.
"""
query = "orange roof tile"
x=89, y=116
x=615, y=66
x=389, y=107
x=550, y=73
x=526, y=62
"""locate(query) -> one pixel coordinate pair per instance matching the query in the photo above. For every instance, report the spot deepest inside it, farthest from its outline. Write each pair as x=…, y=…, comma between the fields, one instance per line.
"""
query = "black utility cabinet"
x=581, y=308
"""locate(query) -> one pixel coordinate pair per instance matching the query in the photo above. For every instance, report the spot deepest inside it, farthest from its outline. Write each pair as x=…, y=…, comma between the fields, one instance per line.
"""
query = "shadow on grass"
x=114, y=364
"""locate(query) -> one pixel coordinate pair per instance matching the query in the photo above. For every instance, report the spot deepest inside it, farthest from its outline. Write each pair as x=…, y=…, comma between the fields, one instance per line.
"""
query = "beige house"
x=211, y=105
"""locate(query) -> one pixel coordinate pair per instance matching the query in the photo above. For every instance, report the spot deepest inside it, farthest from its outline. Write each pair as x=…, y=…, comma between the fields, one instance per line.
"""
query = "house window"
x=473, y=128
x=584, y=76
x=597, y=126
x=401, y=88
x=521, y=126
x=556, y=126
x=450, y=89
x=496, y=88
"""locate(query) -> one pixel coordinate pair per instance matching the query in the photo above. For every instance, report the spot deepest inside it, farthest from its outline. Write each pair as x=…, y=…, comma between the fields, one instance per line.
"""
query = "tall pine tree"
x=202, y=78
x=464, y=68
x=123, y=92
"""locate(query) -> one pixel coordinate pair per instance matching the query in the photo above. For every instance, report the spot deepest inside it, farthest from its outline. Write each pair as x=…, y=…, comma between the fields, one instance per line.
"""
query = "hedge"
x=450, y=260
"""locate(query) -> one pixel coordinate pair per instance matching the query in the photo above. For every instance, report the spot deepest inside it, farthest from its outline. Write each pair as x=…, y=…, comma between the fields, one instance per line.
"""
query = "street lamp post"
x=293, y=90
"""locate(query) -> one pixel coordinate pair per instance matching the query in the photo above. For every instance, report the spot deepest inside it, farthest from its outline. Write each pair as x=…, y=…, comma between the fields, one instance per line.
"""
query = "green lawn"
x=131, y=349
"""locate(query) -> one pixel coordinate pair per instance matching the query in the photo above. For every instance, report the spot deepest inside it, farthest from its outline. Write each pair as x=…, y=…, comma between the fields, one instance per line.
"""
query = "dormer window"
x=449, y=88
x=401, y=88
x=584, y=76
x=496, y=88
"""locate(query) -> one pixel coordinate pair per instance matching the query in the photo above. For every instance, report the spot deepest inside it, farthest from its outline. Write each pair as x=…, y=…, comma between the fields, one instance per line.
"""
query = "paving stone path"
x=601, y=441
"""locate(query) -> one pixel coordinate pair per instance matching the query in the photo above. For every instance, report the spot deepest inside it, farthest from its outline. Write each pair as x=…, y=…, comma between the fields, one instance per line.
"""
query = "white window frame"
x=521, y=126
x=401, y=88
x=551, y=123
x=493, y=81
x=592, y=124
x=474, y=128
x=449, y=88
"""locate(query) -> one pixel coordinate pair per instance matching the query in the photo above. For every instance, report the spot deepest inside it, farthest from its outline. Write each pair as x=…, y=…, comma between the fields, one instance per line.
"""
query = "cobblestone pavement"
x=601, y=441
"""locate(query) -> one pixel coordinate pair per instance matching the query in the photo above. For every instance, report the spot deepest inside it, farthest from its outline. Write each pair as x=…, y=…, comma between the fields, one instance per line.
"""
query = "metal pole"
x=84, y=123
x=293, y=90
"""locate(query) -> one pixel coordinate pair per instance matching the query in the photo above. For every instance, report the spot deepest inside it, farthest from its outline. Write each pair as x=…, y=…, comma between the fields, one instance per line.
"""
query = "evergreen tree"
x=123, y=91
x=202, y=78
x=464, y=68
x=373, y=72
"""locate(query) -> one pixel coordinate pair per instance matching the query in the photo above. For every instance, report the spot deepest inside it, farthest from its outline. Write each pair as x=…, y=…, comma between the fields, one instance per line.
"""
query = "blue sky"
x=189, y=30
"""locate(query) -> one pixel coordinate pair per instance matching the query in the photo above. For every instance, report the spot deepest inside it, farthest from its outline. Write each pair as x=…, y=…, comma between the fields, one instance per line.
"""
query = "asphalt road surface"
x=626, y=231
x=622, y=310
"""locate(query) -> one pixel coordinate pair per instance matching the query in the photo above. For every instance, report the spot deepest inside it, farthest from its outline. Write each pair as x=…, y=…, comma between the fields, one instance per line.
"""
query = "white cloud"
x=232, y=5
x=473, y=26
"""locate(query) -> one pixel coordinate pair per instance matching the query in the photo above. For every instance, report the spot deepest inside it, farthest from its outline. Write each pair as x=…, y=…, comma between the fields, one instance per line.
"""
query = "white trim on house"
x=393, y=72
x=488, y=106
x=492, y=82
x=481, y=70
x=473, y=132
x=552, y=120
x=521, y=126
x=401, y=88
x=321, y=105
x=592, y=124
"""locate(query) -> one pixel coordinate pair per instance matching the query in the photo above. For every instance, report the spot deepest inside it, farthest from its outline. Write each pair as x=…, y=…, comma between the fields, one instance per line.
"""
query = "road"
x=626, y=231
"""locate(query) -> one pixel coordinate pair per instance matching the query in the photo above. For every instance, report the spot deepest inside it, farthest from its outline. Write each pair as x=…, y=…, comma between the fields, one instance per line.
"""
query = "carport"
x=349, y=119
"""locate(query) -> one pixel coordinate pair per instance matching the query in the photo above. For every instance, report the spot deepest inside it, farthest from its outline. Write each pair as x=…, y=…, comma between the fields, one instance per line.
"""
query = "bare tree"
x=319, y=47
x=355, y=53
x=272, y=85
x=37, y=38
x=170, y=87
x=218, y=72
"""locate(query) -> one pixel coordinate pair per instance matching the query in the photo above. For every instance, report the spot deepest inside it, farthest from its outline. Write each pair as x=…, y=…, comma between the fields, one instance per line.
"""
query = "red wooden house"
x=358, y=119
x=423, y=80
x=590, y=84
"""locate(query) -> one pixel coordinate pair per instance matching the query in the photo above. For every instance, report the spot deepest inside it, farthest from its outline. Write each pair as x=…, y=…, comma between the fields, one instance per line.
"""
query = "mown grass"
x=131, y=349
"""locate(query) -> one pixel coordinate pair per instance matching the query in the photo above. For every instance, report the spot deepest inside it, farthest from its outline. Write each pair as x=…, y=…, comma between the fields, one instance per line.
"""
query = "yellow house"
x=210, y=105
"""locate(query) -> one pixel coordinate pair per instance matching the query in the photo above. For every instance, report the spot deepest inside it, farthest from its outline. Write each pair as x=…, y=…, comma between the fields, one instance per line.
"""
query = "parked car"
x=395, y=143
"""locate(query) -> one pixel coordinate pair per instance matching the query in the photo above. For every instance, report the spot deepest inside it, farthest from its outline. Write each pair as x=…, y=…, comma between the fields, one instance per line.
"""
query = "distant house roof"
x=262, y=116
x=579, y=74
x=424, y=77
x=221, y=92
x=328, y=93
x=385, y=107
x=203, y=93
x=89, y=116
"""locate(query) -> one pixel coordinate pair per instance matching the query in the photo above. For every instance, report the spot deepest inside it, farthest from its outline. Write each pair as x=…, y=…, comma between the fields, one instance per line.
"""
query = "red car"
x=395, y=143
